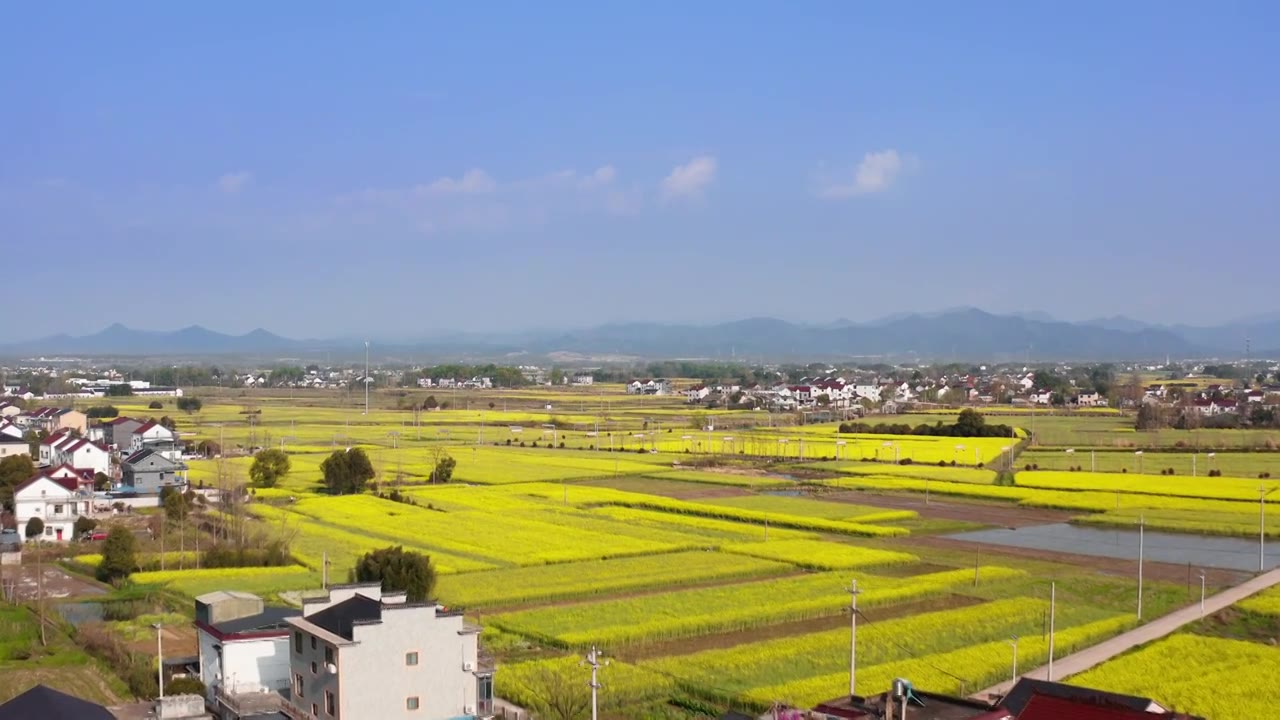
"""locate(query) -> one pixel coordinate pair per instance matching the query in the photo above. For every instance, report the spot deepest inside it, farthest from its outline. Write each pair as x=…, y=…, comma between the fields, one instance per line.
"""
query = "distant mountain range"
x=959, y=334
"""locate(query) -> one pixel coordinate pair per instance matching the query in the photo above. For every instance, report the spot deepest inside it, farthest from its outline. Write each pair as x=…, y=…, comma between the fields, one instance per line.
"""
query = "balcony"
x=249, y=703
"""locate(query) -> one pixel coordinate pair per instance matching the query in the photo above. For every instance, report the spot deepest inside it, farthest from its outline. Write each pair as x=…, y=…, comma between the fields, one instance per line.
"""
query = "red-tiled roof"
x=69, y=483
x=146, y=426
x=1047, y=707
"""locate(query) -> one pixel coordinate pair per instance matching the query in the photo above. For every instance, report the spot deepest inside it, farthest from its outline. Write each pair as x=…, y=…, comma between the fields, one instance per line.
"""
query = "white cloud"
x=690, y=179
x=472, y=182
x=603, y=175
x=232, y=183
x=876, y=172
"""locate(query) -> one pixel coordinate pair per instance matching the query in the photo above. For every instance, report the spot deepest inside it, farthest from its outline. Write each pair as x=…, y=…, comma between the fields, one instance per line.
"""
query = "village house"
x=244, y=653
x=8, y=410
x=657, y=386
x=1210, y=408
x=154, y=436
x=147, y=471
x=58, y=496
x=357, y=652
x=697, y=393
x=50, y=419
x=10, y=445
x=118, y=432
x=8, y=429
x=1041, y=397
x=1090, y=399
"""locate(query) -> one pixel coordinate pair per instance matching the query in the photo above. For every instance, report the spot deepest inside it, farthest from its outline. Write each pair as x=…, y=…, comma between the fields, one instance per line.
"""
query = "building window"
x=313, y=667
x=411, y=658
x=297, y=641
x=57, y=509
x=297, y=685
x=328, y=702
x=411, y=703
x=328, y=655
x=313, y=642
x=315, y=711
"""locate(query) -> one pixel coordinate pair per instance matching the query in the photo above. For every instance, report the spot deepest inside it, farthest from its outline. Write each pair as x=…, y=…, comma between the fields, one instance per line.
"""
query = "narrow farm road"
x=1085, y=659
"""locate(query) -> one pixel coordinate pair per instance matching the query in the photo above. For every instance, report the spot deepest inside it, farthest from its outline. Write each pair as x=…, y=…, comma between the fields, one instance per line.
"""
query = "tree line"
x=970, y=423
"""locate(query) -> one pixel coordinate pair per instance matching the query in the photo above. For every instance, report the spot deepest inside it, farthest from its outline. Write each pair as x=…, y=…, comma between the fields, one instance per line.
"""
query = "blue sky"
x=321, y=169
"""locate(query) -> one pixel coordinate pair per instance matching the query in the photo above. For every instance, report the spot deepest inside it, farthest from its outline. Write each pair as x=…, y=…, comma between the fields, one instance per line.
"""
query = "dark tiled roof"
x=49, y=704
x=1021, y=694
x=272, y=618
x=340, y=618
x=1045, y=707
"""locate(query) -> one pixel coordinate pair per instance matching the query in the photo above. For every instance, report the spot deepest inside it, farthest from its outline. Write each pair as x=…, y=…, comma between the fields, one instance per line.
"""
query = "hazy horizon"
x=400, y=172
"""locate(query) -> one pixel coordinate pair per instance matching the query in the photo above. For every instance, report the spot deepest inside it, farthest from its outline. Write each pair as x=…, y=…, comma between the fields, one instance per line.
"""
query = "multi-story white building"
x=359, y=655
x=57, y=496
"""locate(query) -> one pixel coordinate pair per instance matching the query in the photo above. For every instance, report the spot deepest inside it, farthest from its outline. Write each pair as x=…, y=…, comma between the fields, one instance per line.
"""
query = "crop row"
x=978, y=665
x=716, y=530
x=806, y=507
x=1218, y=488
x=538, y=685
x=702, y=611
x=1266, y=602
x=822, y=555
x=600, y=577
x=1214, y=677
x=311, y=542
x=512, y=539
x=260, y=580
x=720, y=675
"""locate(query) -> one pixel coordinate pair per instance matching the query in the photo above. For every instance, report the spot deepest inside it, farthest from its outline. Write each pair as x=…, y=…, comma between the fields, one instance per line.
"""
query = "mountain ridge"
x=955, y=334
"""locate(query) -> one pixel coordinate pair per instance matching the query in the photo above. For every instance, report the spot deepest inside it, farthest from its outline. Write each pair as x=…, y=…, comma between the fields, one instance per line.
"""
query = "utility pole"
x=593, y=660
x=853, y=636
x=366, y=377
x=324, y=569
x=1262, y=529
x=1201, y=593
x=1053, y=608
x=159, y=659
x=1141, y=536
x=1014, y=677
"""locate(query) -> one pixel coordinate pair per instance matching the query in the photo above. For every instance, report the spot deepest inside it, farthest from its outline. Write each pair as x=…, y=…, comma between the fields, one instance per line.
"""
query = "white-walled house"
x=58, y=497
x=10, y=445
x=697, y=393
x=244, y=652
x=359, y=654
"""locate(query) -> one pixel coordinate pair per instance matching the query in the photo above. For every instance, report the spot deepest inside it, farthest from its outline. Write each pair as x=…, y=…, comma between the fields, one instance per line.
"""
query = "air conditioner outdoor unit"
x=468, y=667
x=468, y=710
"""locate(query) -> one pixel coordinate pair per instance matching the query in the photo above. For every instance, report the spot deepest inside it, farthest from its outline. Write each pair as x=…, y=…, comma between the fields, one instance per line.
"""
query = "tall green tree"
x=269, y=466
x=398, y=570
x=442, y=472
x=347, y=471
x=119, y=554
x=35, y=528
x=13, y=470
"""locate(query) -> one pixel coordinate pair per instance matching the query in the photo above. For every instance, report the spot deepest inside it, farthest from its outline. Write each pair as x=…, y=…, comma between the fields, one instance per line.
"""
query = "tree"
x=84, y=525
x=13, y=470
x=969, y=423
x=119, y=555
x=398, y=570
x=102, y=411
x=155, y=405
x=169, y=423
x=35, y=528
x=101, y=481
x=430, y=403
x=443, y=470
x=176, y=504
x=119, y=390
x=190, y=404
x=268, y=467
x=347, y=471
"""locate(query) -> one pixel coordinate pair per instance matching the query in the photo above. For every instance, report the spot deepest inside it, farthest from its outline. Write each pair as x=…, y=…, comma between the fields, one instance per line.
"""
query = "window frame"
x=412, y=703
x=411, y=658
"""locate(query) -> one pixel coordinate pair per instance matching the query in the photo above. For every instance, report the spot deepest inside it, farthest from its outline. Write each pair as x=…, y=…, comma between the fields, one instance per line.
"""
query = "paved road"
x=1079, y=662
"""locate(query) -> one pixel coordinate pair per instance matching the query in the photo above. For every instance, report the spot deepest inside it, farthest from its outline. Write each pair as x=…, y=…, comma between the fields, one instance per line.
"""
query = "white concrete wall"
x=244, y=666
x=379, y=682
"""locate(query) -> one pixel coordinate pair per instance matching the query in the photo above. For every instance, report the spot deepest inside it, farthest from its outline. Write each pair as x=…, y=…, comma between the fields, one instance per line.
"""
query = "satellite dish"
x=331, y=668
